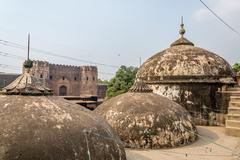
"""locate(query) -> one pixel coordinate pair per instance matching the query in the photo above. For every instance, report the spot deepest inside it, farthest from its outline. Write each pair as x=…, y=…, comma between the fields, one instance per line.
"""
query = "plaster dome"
x=183, y=62
x=37, y=126
x=143, y=119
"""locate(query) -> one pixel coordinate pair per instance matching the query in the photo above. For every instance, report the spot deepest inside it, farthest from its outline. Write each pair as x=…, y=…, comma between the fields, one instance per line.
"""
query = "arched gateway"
x=62, y=90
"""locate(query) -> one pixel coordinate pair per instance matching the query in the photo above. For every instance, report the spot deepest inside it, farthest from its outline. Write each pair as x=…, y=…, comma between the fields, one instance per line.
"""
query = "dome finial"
x=182, y=40
x=182, y=30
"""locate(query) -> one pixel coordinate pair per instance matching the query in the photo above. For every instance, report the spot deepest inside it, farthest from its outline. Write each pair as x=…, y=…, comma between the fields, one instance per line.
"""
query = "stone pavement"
x=215, y=145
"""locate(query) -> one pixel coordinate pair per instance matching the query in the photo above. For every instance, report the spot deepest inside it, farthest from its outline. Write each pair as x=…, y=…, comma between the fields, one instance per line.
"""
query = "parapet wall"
x=38, y=63
x=64, y=67
x=88, y=68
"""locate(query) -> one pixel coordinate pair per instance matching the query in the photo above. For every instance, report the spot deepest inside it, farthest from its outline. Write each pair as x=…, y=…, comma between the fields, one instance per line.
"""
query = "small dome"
x=183, y=62
x=143, y=119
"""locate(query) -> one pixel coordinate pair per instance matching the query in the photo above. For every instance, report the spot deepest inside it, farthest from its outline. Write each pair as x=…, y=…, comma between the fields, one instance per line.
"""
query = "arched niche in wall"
x=62, y=90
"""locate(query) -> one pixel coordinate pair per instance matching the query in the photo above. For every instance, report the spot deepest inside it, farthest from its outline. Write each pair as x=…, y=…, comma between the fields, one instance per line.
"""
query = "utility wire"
x=16, y=45
x=219, y=18
x=6, y=65
x=19, y=46
x=6, y=54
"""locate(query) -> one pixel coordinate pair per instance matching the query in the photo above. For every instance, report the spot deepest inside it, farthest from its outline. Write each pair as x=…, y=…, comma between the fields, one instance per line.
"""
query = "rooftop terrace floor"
x=213, y=144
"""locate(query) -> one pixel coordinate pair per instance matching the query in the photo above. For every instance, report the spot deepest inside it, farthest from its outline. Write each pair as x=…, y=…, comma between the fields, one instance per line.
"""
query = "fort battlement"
x=88, y=68
x=40, y=63
x=67, y=79
x=63, y=66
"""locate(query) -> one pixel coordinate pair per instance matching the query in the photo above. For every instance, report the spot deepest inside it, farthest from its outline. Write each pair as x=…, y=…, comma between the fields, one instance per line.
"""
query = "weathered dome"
x=143, y=119
x=26, y=84
x=39, y=127
x=183, y=62
x=48, y=127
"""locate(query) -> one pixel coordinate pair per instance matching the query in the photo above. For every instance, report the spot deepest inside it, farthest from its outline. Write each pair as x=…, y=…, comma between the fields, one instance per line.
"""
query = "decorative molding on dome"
x=182, y=41
x=140, y=86
x=26, y=84
x=188, y=79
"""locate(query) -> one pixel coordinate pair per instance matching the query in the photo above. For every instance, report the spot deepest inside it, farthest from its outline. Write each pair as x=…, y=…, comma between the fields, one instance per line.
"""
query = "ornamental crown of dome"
x=140, y=87
x=182, y=40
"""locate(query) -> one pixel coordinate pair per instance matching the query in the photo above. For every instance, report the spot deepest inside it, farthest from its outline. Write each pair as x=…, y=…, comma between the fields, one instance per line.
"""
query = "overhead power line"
x=19, y=46
x=106, y=73
x=219, y=18
x=6, y=66
x=7, y=54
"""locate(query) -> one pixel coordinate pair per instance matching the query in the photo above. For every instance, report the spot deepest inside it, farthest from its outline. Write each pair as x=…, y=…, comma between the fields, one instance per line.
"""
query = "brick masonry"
x=7, y=78
x=66, y=80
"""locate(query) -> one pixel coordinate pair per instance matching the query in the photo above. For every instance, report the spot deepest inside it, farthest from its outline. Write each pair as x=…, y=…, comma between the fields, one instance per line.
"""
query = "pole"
x=28, y=46
x=140, y=62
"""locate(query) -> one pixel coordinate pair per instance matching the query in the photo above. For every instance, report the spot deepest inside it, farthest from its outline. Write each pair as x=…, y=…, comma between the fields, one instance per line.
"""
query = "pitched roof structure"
x=26, y=84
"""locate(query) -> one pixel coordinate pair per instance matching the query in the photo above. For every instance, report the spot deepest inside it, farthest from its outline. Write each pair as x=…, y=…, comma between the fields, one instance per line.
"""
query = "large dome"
x=37, y=126
x=143, y=119
x=186, y=63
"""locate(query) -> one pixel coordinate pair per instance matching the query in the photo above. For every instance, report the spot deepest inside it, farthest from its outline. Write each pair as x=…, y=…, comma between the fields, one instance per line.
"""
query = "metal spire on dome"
x=28, y=46
x=182, y=30
x=182, y=40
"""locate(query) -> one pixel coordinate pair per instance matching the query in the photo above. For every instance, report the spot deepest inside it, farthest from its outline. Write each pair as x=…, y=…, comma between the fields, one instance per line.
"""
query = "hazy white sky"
x=115, y=32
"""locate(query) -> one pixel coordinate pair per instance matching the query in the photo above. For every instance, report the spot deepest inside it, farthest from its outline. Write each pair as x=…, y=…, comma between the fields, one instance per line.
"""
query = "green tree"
x=236, y=67
x=122, y=81
x=103, y=81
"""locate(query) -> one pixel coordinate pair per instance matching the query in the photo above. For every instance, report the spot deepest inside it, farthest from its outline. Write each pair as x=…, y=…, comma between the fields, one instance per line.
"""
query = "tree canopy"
x=103, y=81
x=122, y=81
x=236, y=67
